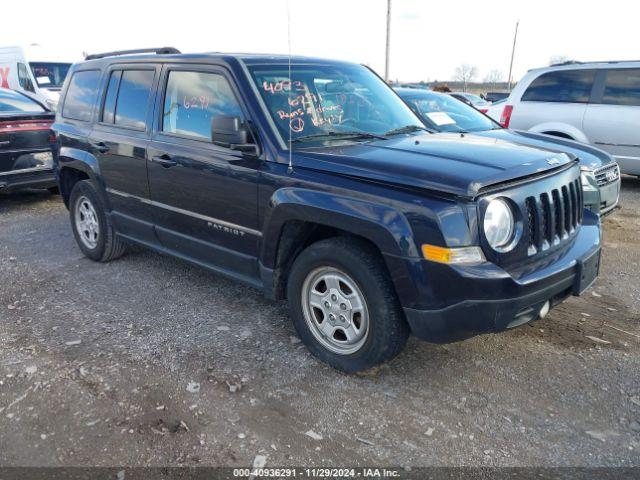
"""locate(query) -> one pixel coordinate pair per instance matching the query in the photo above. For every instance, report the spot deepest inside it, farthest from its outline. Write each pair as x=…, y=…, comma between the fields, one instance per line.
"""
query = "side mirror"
x=229, y=132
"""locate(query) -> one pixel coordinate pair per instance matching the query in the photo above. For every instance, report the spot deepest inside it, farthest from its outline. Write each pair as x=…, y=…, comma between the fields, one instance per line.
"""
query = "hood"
x=450, y=163
x=588, y=156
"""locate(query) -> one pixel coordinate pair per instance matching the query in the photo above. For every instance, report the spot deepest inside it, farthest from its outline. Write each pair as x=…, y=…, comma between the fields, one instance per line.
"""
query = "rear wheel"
x=343, y=305
x=91, y=226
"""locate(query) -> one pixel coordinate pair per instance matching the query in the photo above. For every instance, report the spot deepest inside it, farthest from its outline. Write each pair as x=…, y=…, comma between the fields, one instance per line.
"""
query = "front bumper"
x=609, y=196
x=472, y=300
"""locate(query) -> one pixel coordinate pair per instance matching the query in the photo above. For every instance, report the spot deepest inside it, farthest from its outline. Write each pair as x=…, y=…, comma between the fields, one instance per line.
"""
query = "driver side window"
x=24, y=79
x=193, y=99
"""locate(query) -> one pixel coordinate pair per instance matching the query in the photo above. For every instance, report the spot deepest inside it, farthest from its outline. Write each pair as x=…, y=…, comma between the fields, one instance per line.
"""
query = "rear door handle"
x=165, y=160
x=101, y=147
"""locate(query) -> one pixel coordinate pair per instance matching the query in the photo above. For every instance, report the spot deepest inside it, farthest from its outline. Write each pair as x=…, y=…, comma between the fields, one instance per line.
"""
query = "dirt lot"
x=149, y=361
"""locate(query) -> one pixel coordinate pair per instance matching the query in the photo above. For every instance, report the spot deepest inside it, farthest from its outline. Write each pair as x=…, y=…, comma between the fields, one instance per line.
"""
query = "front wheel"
x=344, y=306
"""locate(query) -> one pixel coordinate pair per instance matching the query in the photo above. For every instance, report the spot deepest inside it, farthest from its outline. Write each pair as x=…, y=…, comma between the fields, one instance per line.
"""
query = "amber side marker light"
x=452, y=255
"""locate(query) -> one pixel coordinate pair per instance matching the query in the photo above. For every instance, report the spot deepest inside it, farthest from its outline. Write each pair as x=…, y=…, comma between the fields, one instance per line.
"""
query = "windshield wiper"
x=338, y=136
x=407, y=129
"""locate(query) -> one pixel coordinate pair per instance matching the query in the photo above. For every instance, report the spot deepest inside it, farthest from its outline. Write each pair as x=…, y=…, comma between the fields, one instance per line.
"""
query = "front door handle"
x=100, y=147
x=165, y=160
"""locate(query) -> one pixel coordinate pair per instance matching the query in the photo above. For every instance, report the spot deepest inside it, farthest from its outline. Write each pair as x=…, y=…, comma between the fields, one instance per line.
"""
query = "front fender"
x=387, y=228
x=564, y=128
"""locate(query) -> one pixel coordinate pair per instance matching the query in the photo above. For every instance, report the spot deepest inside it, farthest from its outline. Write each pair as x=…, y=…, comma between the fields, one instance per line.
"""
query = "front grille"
x=553, y=217
x=607, y=174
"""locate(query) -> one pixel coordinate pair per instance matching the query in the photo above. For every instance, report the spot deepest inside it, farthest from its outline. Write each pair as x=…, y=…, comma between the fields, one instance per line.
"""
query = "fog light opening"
x=545, y=309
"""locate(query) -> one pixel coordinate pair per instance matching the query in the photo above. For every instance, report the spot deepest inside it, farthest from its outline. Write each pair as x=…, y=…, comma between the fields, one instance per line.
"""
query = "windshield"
x=331, y=103
x=446, y=114
x=14, y=102
x=49, y=74
x=476, y=100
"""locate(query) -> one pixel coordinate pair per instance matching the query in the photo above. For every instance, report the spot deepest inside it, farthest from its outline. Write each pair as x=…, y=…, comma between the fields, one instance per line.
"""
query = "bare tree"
x=558, y=59
x=465, y=73
x=493, y=77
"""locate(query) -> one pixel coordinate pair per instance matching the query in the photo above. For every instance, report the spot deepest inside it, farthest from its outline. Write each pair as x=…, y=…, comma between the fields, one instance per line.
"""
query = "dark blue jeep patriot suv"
x=312, y=181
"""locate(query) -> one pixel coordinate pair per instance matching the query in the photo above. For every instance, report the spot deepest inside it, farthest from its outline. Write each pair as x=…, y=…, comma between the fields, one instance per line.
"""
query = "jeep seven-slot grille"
x=553, y=216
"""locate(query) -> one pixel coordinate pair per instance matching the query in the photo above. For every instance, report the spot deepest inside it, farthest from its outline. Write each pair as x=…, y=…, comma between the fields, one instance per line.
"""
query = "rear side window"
x=81, y=95
x=127, y=98
x=109, y=111
x=133, y=98
x=569, y=86
x=622, y=87
x=193, y=99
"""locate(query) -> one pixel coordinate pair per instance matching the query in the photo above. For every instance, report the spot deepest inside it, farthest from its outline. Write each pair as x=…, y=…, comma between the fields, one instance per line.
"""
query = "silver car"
x=596, y=103
x=600, y=173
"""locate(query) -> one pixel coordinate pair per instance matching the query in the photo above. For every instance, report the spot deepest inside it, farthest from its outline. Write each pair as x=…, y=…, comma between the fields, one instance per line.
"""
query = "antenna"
x=513, y=52
x=290, y=169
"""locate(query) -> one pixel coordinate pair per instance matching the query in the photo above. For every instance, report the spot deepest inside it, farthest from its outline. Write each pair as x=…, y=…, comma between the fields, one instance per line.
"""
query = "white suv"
x=596, y=103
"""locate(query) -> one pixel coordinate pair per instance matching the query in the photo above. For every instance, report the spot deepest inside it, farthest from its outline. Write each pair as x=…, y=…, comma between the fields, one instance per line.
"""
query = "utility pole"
x=513, y=52
x=386, y=62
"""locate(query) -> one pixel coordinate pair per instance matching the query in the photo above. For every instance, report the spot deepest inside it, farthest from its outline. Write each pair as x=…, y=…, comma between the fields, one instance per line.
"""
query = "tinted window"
x=82, y=93
x=109, y=111
x=14, y=102
x=133, y=98
x=622, y=87
x=571, y=86
x=193, y=99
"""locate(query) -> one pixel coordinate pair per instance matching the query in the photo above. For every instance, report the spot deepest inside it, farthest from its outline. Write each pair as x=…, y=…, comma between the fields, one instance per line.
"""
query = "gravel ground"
x=150, y=361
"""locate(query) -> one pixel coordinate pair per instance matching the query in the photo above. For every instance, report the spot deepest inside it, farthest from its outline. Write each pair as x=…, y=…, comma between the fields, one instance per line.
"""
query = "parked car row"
x=600, y=173
x=313, y=181
x=595, y=103
x=26, y=139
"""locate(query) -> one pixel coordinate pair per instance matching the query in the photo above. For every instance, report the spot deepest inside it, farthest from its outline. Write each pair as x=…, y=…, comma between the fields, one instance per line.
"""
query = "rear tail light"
x=25, y=126
x=505, y=118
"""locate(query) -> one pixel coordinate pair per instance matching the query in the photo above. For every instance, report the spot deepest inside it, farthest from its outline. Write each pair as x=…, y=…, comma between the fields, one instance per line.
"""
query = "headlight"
x=588, y=178
x=499, y=224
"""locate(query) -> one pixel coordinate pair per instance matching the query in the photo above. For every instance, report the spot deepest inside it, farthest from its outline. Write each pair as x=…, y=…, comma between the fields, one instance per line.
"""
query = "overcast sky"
x=429, y=37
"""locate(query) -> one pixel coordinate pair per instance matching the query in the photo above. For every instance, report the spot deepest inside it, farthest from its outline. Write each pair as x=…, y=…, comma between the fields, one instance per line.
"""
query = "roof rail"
x=159, y=51
x=575, y=62
x=566, y=62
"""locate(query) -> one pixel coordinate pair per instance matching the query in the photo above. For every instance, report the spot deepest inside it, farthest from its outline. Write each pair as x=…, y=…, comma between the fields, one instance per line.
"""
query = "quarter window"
x=569, y=86
x=191, y=101
x=622, y=87
x=81, y=95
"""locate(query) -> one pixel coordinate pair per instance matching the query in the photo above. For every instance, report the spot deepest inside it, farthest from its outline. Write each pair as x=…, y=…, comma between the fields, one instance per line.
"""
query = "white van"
x=596, y=103
x=32, y=71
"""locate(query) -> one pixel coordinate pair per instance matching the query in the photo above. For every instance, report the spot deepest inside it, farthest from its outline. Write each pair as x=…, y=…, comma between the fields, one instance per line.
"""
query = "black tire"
x=109, y=246
x=388, y=330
